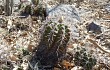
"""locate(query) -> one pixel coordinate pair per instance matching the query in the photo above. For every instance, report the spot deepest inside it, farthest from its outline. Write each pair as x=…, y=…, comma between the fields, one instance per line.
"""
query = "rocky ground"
x=88, y=21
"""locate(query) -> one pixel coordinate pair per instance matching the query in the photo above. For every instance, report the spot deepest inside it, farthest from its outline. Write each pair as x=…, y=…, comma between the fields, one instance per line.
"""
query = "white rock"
x=3, y=31
x=9, y=25
x=77, y=68
x=15, y=67
x=70, y=50
x=67, y=11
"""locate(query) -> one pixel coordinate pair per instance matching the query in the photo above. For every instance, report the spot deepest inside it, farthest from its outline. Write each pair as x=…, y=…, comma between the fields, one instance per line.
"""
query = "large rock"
x=67, y=11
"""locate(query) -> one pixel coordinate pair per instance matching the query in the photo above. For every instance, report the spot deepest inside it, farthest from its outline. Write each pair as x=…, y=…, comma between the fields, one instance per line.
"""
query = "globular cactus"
x=25, y=10
x=1, y=9
x=36, y=10
x=40, y=12
x=35, y=2
x=84, y=59
x=3, y=23
x=53, y=44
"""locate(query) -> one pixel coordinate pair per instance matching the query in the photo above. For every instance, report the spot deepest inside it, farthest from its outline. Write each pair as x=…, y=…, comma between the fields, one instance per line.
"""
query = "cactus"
x=35, y=2
x=84, y=59
x=38, y=11
x=1, y=10
x=3, y=23
x=53, y=44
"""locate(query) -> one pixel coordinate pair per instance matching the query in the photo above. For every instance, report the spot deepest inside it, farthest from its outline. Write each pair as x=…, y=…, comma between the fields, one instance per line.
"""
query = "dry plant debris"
x=44, y=35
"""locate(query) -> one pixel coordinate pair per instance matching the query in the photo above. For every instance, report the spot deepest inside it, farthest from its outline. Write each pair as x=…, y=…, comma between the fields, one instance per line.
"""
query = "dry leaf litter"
x=88, y=21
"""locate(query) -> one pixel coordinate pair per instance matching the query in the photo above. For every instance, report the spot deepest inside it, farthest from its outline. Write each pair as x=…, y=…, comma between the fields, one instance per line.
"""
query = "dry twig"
x=98, y=46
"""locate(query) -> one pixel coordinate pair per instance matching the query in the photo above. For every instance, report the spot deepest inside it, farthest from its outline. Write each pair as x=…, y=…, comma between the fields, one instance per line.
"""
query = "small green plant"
x=25, y=52
x=84, y=59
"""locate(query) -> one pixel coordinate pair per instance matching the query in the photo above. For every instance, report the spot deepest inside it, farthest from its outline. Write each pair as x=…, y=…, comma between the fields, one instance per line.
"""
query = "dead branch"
x=98, y=46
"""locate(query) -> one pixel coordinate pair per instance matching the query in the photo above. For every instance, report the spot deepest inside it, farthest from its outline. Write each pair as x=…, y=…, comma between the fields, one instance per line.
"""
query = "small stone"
x=94, y=28
x=13, y=58
x=31, y=48
x=77, y=68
